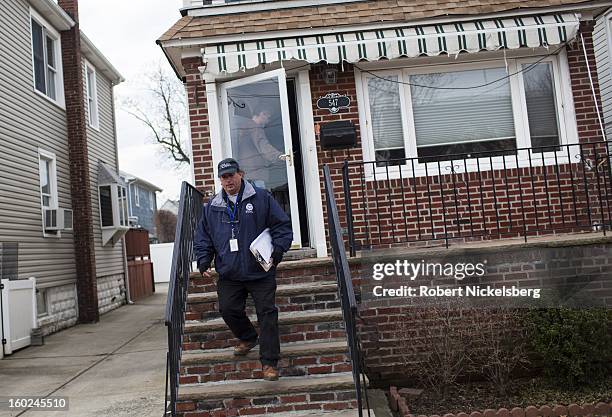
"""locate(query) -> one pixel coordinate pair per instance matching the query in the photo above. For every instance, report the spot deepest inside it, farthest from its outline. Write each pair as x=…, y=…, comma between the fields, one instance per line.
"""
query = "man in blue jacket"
x=230, y=222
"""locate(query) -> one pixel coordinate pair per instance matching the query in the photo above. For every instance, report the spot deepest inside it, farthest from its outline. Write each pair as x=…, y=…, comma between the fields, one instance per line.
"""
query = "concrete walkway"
x=113, y=368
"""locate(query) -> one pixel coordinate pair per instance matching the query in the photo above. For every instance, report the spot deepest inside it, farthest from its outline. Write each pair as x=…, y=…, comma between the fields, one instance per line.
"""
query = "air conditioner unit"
x=58, y=219
x=133, y=221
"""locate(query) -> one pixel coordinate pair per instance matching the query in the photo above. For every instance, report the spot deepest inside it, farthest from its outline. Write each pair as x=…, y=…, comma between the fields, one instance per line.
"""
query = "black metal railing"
x=347, y=295
x=486, y=195
x=190, y=211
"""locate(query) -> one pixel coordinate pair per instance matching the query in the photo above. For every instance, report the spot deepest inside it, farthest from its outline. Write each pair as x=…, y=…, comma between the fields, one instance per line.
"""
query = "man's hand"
x=277, y=257
x=207, y=273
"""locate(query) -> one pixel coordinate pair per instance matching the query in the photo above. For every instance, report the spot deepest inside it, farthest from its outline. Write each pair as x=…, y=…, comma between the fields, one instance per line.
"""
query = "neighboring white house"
x=62, y=203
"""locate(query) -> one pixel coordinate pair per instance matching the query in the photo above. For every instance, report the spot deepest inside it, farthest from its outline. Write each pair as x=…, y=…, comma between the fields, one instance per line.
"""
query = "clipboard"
x=262, y=249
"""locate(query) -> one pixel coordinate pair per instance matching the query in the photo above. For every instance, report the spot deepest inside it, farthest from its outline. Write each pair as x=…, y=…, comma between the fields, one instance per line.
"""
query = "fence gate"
x=140, y=267
x=18, y=313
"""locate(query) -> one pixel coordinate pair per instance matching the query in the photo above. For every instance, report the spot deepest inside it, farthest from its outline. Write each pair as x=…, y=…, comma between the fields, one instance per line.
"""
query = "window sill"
x=60, y=104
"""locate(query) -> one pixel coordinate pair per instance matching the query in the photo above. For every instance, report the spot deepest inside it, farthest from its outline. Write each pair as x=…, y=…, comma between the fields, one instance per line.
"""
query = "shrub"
x=575, y=346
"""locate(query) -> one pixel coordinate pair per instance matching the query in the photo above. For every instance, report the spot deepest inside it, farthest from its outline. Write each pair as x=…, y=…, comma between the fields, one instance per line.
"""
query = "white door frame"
x=312, y=181
x=281, y=78
x=310, y=164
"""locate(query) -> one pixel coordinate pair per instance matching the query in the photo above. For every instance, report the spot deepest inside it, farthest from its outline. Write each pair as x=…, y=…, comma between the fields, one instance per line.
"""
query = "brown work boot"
x=244, y=347
x=270, y=373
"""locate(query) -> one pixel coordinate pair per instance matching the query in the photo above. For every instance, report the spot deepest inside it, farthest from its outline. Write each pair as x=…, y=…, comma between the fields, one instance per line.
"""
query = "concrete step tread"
x=293, y=264
x=282, y=290
x=289, y=317
x=260, y=388
x=315, y=413
x=198, y=357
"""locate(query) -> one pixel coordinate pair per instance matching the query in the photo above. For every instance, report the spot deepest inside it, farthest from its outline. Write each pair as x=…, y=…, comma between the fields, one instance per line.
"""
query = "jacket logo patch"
x=249, y=208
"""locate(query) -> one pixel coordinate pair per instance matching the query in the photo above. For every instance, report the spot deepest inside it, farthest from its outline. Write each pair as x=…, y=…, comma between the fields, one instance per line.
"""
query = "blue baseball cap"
x=228, y=166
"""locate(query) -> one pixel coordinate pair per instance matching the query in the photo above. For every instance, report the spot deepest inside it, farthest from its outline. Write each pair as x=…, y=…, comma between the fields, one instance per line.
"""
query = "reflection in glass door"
x=258, y=136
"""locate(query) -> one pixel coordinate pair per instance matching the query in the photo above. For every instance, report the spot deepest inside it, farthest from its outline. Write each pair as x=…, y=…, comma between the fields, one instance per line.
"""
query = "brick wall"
x=84, y=248
x=566, y=199
x=198, y=122
x=514, y=202
x=396, y=332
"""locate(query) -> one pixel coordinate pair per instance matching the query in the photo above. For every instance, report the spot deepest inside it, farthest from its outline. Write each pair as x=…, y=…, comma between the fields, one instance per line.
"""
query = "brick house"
x=440, y=121
x=63, y=210
x=394, y=72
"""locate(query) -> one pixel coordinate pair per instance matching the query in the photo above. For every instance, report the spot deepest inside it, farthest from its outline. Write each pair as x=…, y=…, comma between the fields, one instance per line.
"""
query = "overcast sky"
x=125, y=32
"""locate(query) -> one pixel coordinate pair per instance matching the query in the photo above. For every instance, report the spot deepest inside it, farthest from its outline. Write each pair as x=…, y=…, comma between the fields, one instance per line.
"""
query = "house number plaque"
x=333, y=102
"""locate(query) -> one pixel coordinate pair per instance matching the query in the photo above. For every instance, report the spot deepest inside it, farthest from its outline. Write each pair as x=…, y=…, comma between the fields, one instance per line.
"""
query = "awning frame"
x=401, y=42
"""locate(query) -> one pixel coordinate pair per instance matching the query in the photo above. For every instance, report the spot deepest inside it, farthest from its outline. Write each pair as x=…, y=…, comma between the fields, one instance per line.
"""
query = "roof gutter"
x=171, y=61
x=256, y=6
x=54, y=13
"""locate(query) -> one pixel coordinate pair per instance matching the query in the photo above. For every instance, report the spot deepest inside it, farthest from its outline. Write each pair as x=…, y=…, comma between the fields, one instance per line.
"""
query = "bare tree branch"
x=162, y=110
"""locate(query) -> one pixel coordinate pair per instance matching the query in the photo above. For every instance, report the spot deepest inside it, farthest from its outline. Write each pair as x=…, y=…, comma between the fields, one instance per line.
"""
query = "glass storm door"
x=257, y=133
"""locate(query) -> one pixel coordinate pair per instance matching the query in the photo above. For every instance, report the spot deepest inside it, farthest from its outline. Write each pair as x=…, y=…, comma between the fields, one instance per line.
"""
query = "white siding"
x=602, y=43
x=102, y=147
x=29, y=121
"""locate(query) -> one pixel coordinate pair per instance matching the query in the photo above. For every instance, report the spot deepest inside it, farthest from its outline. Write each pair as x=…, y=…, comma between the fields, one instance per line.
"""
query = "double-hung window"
x=48, y=186
x=48, y=179
x=461, y=111
x=137, y=195
x=92, y=96
x=46, y=59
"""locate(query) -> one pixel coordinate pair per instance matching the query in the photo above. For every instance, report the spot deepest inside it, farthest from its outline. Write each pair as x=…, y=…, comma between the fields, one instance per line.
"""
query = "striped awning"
x=406, y=41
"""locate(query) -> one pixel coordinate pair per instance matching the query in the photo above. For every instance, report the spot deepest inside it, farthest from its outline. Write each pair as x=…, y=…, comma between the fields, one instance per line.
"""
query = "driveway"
x=112, y=368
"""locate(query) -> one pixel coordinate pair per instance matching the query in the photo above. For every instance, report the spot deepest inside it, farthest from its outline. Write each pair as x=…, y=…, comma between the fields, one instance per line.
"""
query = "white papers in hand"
x=262, y=249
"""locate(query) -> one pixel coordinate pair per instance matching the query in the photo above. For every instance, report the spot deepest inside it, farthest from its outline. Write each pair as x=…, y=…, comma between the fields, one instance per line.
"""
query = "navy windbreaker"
x=256, y=211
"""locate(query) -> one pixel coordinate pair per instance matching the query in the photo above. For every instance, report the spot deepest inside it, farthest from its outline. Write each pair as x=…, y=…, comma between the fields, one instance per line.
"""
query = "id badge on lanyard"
x=233, y=243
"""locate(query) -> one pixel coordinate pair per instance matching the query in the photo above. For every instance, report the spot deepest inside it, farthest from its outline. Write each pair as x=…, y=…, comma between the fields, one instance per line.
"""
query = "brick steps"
x=321, y=393
x=315, y=368
x=260, y=388
x=281, y=291
x=288, y=318
x=297, y=359
x=297, y=297
x=288, y=272
x=288, y=350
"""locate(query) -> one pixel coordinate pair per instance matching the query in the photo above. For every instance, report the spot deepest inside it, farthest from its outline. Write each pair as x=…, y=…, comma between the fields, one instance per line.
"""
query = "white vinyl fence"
x=18, y=313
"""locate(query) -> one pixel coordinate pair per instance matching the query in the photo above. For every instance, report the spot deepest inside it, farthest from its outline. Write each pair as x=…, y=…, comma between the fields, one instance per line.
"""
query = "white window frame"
x=568, y=132
x=115, y=197
x=49, y=31
x=136, y=195
x=151, y=200
x=93, y=113
x=53, y=200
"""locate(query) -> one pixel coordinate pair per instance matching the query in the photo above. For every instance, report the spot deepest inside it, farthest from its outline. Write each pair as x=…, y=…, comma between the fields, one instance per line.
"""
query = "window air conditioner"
x=58, y=219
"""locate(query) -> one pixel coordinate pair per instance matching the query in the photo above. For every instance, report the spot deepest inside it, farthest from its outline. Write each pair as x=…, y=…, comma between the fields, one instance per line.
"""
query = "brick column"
x=199, y=124
x=84, y=249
